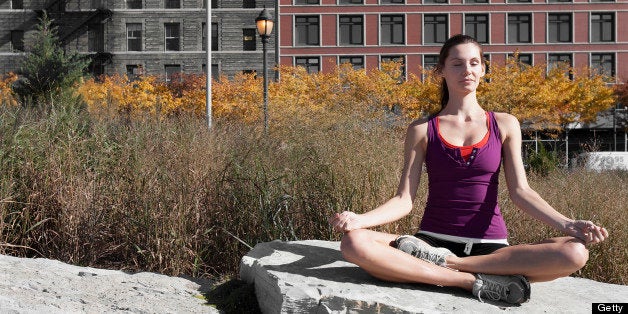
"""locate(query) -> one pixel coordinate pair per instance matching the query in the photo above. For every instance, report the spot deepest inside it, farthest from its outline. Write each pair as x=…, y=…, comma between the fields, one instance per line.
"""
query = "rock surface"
x=312, y=277
x=49, y=286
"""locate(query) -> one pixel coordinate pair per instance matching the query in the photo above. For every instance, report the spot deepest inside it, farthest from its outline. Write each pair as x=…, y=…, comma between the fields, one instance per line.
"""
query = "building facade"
x=158, y=37
x=168, y=36
x=319, y=34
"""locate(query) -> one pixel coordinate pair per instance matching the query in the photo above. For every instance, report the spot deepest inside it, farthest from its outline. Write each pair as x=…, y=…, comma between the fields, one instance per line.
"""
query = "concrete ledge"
x=312, y=277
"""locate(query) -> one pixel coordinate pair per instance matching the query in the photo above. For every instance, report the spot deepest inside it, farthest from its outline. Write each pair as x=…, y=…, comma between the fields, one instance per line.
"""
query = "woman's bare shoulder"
x=417, y=130
x=506, y=119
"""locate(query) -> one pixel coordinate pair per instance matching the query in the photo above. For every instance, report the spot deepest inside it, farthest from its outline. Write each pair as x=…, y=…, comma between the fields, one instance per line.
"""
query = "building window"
x=305, y=2
x=602, y=27
x=476, y=26
x=172, y=4
x=351, y=29
x=214, y=4
x=17, y=40
x=173, y=71
x=95, y=37
x=555, y=1
x=133, y=71
x=306, y=30
x=204, y=36
x=435, y=28
x=17, y=4
x=519, y=28
x=392, y=29
x=248, y=39
x=392, y=1
x=215, y=71
x=559, y=27
x=356, y=61
x=134, y=37
x=214, y=37
x=434, y=1
x=522, y=58
x=430, y=62
x=560, y=60
x=398, y=59
x=173, y=39
x=350, y=1
x=96, y=68
x=519, y=1
x=475, y=1
x=602, y=0
x=133, y=4
x=311, y=64
x=248, y=4
x=603, y=63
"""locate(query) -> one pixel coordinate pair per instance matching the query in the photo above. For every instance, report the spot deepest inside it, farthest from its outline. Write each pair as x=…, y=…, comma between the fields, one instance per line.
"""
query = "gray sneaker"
x=512, y=289
x=417, y=248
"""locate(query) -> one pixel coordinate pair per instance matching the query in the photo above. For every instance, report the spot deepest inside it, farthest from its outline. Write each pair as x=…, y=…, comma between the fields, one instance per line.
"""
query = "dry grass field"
x=167, y=195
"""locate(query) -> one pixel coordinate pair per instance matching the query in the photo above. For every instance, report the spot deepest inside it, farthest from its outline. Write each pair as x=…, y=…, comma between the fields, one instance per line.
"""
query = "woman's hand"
x=345, y=221
x=587, y=231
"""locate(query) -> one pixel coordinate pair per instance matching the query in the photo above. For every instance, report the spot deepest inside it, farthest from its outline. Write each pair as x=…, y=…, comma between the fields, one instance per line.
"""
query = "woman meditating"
x=462, y=240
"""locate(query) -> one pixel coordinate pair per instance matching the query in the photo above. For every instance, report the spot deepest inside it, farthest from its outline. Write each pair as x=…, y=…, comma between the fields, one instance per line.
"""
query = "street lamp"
x=264, y=27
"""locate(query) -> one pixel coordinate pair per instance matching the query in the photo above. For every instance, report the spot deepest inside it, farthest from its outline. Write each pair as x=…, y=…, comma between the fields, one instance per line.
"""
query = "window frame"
x=558, y=26
x=169, y=39
x=437, y=23
x=518, y=23
x=139, y=39
x=352, y=25
x=612, y=22
x=252, y=43
x=475, y=23
x=169, y=75
x=16, y=41
x=172, y=4
x=394, y=26
x=309, y=26
x=356, y=66
x=308, y=64
x=613, y=62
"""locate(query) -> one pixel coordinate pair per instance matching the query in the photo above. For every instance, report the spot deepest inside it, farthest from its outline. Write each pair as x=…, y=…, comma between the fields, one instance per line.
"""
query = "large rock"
x=47, y=286
x=312, y=277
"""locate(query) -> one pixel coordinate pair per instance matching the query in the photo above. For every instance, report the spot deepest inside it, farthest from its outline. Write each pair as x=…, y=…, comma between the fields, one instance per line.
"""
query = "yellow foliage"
x=6, y=93
x=543, y=100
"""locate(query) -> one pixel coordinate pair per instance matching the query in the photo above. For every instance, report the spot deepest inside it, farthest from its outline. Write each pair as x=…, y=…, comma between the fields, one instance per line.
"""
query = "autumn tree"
x=621, y=92
x=6, y=93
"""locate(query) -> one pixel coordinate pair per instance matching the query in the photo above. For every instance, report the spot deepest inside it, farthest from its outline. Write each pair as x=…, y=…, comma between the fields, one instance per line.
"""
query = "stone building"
x=158, y=37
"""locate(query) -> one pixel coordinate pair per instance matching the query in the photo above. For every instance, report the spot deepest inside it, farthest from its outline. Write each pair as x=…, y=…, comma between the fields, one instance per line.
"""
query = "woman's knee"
x=575, y=253
x=354, y=244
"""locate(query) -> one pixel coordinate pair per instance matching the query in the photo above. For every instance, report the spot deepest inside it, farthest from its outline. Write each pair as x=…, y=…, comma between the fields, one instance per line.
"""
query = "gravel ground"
x=48, y=286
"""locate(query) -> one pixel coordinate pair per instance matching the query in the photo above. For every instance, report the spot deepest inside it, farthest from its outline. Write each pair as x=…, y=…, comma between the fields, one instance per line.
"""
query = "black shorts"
x=458, y=248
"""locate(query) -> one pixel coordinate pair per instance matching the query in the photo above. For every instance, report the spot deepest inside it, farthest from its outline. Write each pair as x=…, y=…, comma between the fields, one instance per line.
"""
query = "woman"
x=462, y=240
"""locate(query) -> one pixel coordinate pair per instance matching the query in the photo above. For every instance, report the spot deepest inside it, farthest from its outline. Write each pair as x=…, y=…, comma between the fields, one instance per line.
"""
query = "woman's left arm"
x=529, y=200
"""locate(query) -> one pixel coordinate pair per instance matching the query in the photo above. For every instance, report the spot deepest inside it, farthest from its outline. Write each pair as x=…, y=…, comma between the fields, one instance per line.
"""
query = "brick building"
x=322, y=33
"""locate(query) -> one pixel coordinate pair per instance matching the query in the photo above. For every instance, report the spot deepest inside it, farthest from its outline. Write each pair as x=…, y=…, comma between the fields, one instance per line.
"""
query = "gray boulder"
x=312, y=277
x=39, y=285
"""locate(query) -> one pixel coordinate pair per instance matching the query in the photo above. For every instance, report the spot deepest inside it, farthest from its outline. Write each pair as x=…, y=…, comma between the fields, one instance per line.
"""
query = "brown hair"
x=444, y=53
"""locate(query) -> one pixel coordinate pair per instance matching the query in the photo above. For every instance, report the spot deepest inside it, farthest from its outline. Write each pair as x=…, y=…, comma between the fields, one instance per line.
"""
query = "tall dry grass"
x=167, y=195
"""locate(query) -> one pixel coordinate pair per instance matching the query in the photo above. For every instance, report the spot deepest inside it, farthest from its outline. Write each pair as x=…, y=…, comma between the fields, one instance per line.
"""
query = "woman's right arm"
x=401, y=204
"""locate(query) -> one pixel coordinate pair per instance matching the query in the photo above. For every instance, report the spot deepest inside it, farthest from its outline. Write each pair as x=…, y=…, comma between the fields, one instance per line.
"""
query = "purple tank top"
x=462, y=195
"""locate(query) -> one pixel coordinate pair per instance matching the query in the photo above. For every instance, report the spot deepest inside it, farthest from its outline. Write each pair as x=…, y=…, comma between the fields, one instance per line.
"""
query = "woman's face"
x=463, y=68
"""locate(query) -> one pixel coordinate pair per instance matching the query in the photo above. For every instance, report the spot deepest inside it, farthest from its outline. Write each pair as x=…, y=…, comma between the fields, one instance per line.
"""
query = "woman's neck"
x=464, y=107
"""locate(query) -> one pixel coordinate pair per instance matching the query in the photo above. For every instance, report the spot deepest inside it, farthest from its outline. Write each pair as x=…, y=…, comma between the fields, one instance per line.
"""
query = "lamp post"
x=264, y=28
